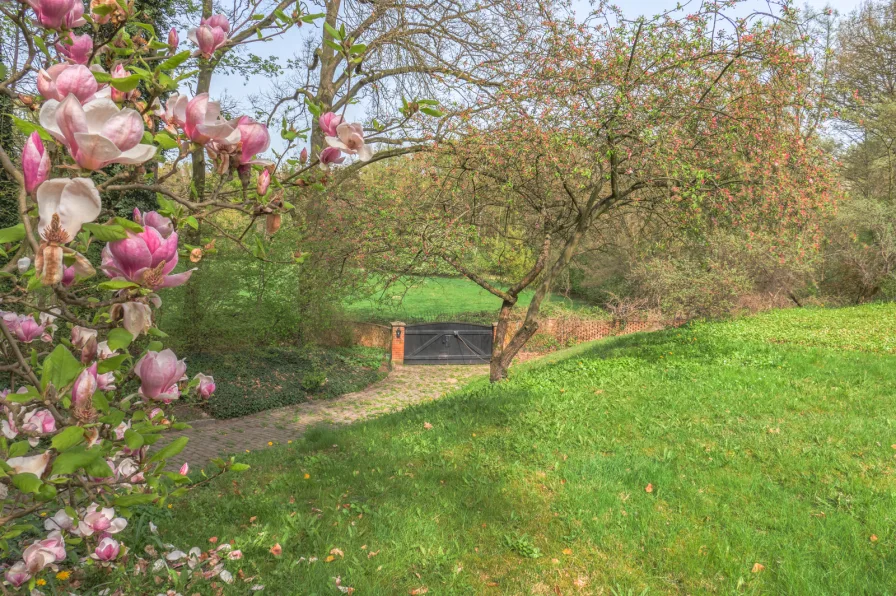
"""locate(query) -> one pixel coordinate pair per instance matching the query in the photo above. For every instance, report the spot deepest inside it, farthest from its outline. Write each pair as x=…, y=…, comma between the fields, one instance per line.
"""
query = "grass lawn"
x=429, y=296
x=754, y=457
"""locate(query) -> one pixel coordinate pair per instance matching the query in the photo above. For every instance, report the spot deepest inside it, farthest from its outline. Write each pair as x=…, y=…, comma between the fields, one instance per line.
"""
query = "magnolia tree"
x=89, y=378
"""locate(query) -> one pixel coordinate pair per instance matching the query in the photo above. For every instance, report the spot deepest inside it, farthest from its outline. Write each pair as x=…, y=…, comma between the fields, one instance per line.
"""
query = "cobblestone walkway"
x=404, y=386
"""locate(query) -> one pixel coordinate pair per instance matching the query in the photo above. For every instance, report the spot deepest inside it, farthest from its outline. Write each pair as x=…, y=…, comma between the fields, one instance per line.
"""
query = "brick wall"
x=371, y=335
x=397, y=342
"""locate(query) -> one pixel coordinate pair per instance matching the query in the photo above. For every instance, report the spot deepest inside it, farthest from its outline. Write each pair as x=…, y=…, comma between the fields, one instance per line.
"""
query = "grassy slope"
x=436, y=295
x=758, y=449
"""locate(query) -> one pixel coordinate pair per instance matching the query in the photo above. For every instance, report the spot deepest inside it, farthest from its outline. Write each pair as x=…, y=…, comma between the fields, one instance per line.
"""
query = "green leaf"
x=46, y=492
x=102, y=77
x=155, y=332
x=175, y=60
x=133, y=439
x=358, y=48
x=126, y=84
x=60, y=368
x=117, y=285
x=310, y=18
x=110, y=364
x=119, y=339
x=21, y=398
x=106, y=233
x=155, y=346
x=332, y=44
x=98, y=468
x=432, y=112
x=40, y=43
x=100, y=402
x=27, y=128
x=136, y=499
x=170, y=450
x=165, y=140
x=68, y=438
x=75, y=458
x=19, y=448
x=239, y=467
x=191, y=221
x=129, y=224
x=333, y=32
x=13, y=234
x=27, y=483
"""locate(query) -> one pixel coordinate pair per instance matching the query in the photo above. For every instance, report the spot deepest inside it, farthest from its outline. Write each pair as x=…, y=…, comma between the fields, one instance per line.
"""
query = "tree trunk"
x=502, y=356
x=192, y=310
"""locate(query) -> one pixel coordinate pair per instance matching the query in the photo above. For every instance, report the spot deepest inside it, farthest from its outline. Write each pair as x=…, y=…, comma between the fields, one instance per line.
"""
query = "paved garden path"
x=404, y=386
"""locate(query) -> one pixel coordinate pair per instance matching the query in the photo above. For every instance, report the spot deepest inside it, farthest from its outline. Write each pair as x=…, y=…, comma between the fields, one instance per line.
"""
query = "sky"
x=241, y=88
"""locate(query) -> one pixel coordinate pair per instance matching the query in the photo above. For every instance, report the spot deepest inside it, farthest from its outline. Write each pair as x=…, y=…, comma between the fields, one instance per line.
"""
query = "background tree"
x=664, y=116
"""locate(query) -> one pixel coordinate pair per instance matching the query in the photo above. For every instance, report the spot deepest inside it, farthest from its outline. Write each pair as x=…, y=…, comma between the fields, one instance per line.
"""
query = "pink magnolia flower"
x=349, y=139
x=70, y=201
x=331, y=155
x=175, y=113
x=8, y=427
x=60, y=521
x=24, y=327
x=185, y=469
x=203, y=122
x=154, y=220
x=173, y=39
x=328, y=123
x=263, y=182
x=35, y=163
x=82, y=335
x=39, y=421
x=44, y=552
x=76, y=48
x=32, y=464
x=23, y=264
x=206, y=385
x=145, y=258
x=56, y=14
x=106, y=550
x=85, y=386
x=98, y=133
x=254, y=139
x=119, y=72
x=61, y=80
x=210, y=35
x=159, y=373
x=68, y=276
x=136, y=317
x=303, y=156
x=106, y=382
x=103, y=351
x=17, y=574
x=95, y=521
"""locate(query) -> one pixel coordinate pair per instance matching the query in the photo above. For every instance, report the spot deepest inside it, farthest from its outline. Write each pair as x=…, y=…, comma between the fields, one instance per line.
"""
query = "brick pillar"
x=398, y=330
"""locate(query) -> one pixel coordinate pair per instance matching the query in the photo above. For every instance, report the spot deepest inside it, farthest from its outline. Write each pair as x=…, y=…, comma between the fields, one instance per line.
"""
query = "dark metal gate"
x=448, y=343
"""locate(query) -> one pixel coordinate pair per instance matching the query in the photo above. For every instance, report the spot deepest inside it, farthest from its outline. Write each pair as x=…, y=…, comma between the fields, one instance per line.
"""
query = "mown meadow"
x=754, y=456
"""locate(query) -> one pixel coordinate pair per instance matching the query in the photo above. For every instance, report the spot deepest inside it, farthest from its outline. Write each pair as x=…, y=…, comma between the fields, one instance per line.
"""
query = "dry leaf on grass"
x=758, y=567
x=648, y=488
x=418, y=591
x=427, y=426
x=276, y=550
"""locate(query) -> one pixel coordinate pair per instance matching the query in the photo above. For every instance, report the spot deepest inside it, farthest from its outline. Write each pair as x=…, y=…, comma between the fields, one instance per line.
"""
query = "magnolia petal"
x=79, y=204
x=125, y=129
x=98, y=112
x=71, y=119
x=138, y=154
x=95, y=151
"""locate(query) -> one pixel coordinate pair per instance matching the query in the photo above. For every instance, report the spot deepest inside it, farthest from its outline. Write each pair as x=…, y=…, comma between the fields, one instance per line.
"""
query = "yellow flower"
x=170, y=505
x=307, y=476
x=43, y=514
x=63, y=575
x=247, y=451
x=41, y=582
x=289, y=442
x=270, y=443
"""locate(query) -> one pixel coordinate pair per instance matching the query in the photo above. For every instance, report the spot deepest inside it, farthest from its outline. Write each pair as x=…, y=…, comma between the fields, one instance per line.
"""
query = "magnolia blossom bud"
x=185, y=469
x=264, y=180
x=85, y=386
x=272, y=223
x=173, y=39
x=206, y=385
x=303, y=156
x=35, y=163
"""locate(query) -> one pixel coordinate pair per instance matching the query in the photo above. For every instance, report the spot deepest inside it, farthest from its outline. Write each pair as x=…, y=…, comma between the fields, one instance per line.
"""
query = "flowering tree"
x=676, y=117
x=89, y=377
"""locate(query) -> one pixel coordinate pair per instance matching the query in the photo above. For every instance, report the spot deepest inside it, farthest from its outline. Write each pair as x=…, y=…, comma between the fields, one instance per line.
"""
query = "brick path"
x=404, y=386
